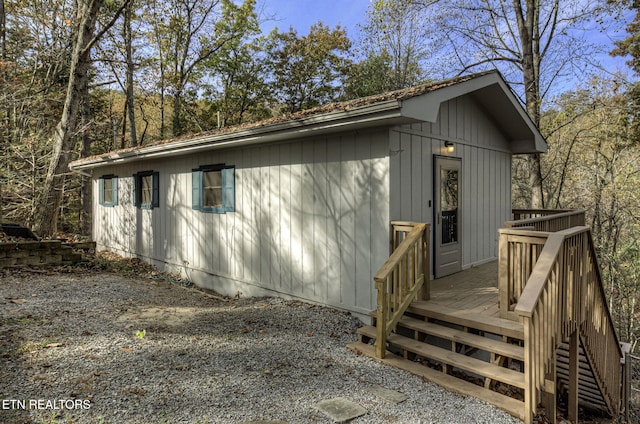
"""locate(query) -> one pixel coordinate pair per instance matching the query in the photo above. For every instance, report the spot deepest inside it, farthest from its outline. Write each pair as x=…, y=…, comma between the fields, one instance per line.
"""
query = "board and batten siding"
x=311, y=220
x=486, y=174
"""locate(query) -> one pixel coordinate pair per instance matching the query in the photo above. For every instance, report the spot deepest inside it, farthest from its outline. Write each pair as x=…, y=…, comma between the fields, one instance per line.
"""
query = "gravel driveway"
x=95, y=347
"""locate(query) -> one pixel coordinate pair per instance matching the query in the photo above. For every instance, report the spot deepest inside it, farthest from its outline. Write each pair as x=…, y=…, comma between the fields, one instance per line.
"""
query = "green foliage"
x=237, y=91
x=592, y=165
x=630, y=46
x=368, y=77
x=185, y=38
x=395, y=44
x=307, y=71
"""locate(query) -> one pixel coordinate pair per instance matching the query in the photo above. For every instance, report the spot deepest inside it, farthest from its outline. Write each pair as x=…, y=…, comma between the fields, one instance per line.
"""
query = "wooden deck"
x=472, y=291
x=554, y=330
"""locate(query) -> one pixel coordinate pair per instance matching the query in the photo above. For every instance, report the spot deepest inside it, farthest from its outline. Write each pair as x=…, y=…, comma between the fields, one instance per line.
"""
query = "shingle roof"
x=397, y=95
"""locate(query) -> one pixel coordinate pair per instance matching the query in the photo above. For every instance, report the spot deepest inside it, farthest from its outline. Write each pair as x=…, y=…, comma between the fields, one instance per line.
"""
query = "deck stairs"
x=547, y=335
x=474, y=355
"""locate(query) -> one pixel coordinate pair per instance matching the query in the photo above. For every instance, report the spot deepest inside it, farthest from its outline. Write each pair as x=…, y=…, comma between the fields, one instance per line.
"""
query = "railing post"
x=530, y=389
x=574, y=365
x=425, y=292
x=381, y=320
x=401, y=279
x=503, y=274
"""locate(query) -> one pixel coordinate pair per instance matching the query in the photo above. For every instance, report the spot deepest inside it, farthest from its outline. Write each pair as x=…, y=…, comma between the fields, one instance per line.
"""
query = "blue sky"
x=301, y=14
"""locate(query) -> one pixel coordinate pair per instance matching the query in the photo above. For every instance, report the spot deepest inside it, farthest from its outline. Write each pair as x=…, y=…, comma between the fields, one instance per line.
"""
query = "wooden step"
x=495, y=325
x=508, y=404
x=456, y=360
x=465, y=338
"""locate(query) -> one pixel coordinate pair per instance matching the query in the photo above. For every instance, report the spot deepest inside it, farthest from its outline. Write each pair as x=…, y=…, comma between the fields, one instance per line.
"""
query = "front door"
x=448, y=246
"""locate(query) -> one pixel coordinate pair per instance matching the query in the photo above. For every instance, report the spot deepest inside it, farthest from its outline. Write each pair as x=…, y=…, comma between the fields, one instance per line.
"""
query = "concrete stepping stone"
x=340, y=410
x=264, y=422
x=388, y=394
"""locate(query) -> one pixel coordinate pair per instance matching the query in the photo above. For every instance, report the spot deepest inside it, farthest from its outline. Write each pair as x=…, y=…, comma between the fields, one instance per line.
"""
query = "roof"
x=392, y=108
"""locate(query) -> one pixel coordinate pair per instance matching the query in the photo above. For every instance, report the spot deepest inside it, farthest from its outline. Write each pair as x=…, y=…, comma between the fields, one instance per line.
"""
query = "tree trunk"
x=6, y=119
x=128, y=37
x=85, y=191
x=47, y=206
x=178, y=127
x=528, y=21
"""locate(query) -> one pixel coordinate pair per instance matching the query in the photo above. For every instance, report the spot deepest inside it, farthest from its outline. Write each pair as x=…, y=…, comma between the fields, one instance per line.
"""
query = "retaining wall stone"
x=45, y=252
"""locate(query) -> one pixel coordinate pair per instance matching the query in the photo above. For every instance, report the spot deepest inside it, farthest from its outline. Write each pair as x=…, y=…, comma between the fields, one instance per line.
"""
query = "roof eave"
x=537, y=144
x=496, y=97
x=384, y=113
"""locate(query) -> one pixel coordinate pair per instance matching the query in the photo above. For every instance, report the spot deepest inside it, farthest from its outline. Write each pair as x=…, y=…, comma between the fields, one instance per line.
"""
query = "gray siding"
x=311, y=220
x=312, y=215
x=486, y=174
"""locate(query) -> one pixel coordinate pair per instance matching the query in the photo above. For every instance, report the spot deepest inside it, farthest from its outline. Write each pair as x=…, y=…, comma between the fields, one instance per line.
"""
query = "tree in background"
x=535, y=44
x=240, y=92
x=395, y=43
x=307, y=71
x=118, y=60
x=34, y=71
x=592, y=165
x=369, y=76
x=48, y=201
x=630, y=47
x=236, y=87
x=191, y=33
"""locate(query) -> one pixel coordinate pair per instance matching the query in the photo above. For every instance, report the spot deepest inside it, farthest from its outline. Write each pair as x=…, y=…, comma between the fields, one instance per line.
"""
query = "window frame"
x=228, y=188
x=114, y=190
x=137, y=189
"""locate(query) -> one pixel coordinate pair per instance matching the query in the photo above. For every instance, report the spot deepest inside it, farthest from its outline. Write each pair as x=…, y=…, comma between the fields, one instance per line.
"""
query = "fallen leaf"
x=127, y=350
x=54, y=344
x=262, y=331
x=309, y=334
x=136, y=391
x=14, y=310
x=16, y=301
x=244, y=330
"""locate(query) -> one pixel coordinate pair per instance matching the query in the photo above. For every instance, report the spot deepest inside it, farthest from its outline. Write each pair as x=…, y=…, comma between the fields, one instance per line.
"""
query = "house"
x=359, y=205
x=300, y=206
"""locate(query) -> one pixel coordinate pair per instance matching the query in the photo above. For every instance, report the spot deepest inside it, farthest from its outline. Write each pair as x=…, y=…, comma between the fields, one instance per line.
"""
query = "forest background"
x=83, y=77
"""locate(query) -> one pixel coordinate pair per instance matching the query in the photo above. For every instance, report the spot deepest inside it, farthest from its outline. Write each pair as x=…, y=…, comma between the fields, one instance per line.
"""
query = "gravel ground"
x=74, y=340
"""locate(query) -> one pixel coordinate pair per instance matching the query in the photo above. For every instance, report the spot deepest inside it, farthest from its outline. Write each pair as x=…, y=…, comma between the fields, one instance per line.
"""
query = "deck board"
x=474, y=290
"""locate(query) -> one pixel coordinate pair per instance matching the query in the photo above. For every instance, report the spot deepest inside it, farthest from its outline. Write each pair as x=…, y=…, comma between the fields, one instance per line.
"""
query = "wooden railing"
x=564, y=299
x=520, y=245
x=403, y=278
x=518, y=252
x=549, y=220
